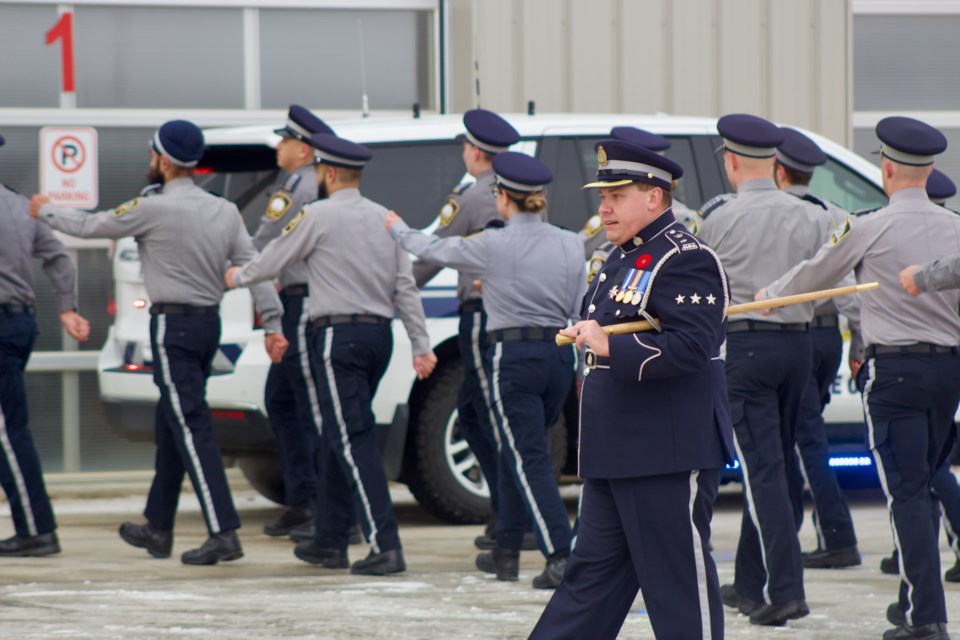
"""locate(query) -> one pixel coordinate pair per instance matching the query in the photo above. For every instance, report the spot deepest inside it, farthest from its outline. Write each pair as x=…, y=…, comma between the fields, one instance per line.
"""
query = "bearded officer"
x=185, y=236
x=670, y=462
x=21, y=240
x=797, y=159
x=470, y=208
x=911, y=379
x=290, y=394
x=356, y=276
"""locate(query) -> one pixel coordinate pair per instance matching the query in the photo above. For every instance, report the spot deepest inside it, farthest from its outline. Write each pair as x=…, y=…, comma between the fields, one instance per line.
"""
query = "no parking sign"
x=68, y=166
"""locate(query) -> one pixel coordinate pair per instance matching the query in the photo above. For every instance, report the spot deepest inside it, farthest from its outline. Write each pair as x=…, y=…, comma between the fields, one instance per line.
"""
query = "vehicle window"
x=249, y=190
x=413, y=178
x=848, y=190
x=569, y=205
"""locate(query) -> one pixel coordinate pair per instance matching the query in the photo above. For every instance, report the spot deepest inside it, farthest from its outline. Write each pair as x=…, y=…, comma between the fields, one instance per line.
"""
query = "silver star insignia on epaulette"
x=711, y=299
x=695, y=298
x=679, y=298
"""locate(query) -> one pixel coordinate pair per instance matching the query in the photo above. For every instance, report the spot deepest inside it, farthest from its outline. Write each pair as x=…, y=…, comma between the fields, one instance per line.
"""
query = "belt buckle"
x=590, y=359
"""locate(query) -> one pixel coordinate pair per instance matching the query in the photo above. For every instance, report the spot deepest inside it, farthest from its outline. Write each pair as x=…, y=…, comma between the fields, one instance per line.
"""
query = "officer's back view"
x=185, y=237
x=21, y=240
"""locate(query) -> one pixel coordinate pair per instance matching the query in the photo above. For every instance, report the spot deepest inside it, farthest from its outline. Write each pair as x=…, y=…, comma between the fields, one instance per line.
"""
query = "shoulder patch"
x=294, y=222
x=278, y=205
x=127, y=206
x=596, y=264
x=841, y=232
x=863, y=212
x=151, y=189
x=291, y=182
x=593, y=226
x=710, y=205
x=815, y=200
x=449, y=212
x=463, y=186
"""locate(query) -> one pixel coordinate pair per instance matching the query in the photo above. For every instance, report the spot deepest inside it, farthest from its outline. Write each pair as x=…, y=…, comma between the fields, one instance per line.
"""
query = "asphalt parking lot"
x=99, y=588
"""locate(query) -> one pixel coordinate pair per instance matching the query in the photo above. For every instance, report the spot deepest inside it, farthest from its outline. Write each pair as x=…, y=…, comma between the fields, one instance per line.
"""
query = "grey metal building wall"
x=789, y=60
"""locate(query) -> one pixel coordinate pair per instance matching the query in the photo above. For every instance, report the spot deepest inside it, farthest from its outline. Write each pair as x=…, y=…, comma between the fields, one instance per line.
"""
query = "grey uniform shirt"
x=532, y=272
x=353, y=267
x=21, y=239
x=936, y=275
x=909, y=230
x=468, y=210
x=297, y=189
x=186, y=238
x=760, y=234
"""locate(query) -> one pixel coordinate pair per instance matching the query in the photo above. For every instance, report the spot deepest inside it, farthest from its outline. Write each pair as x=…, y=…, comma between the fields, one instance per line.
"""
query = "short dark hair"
x=667, y=194
x=796, y=177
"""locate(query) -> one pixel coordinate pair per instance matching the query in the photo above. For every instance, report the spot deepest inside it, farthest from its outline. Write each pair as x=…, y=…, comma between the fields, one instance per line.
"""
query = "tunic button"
x=603, y=277
x=592, y=308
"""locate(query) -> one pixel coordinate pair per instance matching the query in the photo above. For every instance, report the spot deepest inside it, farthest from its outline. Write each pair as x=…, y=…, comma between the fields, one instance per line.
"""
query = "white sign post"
x=68, y=166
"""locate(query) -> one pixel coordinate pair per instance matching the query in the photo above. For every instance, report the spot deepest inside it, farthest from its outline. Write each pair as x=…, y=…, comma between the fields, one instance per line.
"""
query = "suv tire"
x=264, y=472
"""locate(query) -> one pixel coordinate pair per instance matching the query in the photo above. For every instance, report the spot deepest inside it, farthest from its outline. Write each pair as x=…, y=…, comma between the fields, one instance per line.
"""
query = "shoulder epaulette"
x=9, y=188
x=683, y=240
x=808, y=197
x=151, y=189
x=863, y=212
x=463, y=186
x=710, y=205
x=291, y=182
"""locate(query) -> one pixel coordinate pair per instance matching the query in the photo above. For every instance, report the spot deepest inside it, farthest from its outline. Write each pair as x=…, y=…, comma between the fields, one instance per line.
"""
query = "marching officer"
x=356, y=275
x=797, y=158
x=185, y=236
x=533, y=281
x=470, y=208
x=759, y=234
x=911, y=380
x=655, y=430
x=291, y=395
x=940, y=188
x=22, y=239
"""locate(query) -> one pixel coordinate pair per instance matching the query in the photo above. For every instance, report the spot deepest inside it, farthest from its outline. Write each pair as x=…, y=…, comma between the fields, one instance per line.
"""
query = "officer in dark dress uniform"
x=533, y=280
x=290, y=394
x=22, y=239
x=797, y=158
x=911, y=379
x=655, y=429
x=185, y=237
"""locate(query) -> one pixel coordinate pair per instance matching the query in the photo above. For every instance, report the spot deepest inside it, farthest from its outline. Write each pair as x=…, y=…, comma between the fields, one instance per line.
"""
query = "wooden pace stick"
x=745, y=307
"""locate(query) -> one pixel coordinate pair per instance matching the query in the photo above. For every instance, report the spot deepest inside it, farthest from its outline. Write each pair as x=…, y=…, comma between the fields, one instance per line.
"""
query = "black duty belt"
x=822, y=322
x=349, y=318
x=901, y=349
x=296, y=290
x=176, y=309
x=471, y=306
x=546, y=334
x=10, y=308
x=753, y=325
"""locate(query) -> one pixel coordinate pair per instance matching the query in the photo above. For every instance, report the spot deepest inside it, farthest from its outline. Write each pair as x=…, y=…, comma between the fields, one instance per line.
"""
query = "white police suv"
x=416, y=162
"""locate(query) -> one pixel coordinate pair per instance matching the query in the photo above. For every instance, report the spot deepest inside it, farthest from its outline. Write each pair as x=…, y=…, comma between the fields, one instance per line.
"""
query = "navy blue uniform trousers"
x=811, y=465
x=20, y=472
x=947, y=491
x=648, y=534
x=350, y=359
x=767, y=373
x=293, y=405
x=183, y=350
x=529, y=380
x=477, y=424
x=910, y=401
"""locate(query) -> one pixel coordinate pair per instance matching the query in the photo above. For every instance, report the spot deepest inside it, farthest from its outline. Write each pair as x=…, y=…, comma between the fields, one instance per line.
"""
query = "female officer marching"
x=533, y=280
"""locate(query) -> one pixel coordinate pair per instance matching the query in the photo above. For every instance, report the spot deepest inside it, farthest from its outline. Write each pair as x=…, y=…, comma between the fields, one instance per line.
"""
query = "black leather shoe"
x=157, y=542
x=223, y=546
x=743, y=604
x=45, y=544
x=310, y=551
x=380, y=564
x=487, y=542
x=776, y=615
x=891, y=565
x=953, y=575
x=307, y=531
x=832, y=558
x=924, y=632
x=288, y=519
x=552, y=574
x=504, y=563
x=895, y=615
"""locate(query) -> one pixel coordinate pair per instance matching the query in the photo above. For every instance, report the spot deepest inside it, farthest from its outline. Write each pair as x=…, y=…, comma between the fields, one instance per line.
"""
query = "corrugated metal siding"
x=789, y=61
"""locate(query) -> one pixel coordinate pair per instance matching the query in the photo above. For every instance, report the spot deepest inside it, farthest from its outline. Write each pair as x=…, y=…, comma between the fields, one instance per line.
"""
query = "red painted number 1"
x=63, y=30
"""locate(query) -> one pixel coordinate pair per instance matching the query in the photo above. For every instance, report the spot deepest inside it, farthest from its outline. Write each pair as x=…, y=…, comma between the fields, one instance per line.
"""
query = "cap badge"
x=601, y=156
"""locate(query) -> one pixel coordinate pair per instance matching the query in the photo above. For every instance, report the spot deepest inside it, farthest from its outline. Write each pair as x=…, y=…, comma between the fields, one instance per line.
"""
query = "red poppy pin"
x=644, y=260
